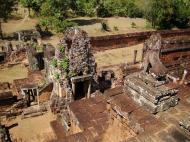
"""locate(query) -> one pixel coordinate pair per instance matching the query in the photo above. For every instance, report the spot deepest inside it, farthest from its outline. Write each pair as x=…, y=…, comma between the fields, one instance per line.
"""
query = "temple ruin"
x=146, y=99
x=127, y=110
x=73, y=67
x=151, y=87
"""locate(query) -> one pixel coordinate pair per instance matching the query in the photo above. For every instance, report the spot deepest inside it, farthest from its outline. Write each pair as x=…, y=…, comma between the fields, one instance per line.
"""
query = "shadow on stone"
x=83, y=22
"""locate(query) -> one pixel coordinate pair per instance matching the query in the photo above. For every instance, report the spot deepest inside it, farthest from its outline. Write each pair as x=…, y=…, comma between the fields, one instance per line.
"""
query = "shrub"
x=85, y=8
x=133, y=25
x=34, y=45
x=45, y=22
x=57, y=76
x=61, y=48
x=38, y=28
x=115, y=28
x=56, y=24
x=103, y=12
x=54, y=62
x=124, y=8
x=60, y=26
x=65, y=64
x=71, y=74
x=105, y=27
x=166, y=14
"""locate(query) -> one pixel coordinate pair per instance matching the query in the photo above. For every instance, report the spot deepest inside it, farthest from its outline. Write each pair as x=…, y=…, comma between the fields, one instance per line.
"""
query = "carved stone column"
x=135, y=56
x=89, y=90
x=73, y=88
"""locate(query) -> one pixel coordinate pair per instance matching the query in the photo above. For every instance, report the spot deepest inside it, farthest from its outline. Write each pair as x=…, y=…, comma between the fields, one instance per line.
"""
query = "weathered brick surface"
x=124, y=40
x=58, y=129
x=108, y=126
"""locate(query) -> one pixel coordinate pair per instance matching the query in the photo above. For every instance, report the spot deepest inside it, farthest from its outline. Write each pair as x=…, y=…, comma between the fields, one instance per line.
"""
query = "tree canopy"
x=32, y=4
x=162, y=14
x=166, y=14
x=6, y=7
x=54, y=14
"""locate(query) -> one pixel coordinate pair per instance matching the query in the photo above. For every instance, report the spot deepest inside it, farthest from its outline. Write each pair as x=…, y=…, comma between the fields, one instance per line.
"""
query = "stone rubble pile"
x=27, y=35
x=185, y=123
x=4, y=134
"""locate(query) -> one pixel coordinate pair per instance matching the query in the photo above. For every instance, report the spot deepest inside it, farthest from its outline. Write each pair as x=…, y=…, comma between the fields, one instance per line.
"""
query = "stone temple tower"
x=74, y=67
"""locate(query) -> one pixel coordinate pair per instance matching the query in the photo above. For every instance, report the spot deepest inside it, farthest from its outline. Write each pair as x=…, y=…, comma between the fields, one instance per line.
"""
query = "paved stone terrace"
x=93, y=117
x=171, y=132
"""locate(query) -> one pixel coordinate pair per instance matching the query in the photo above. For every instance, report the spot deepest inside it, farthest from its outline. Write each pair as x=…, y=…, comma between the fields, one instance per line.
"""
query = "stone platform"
x=153, y=94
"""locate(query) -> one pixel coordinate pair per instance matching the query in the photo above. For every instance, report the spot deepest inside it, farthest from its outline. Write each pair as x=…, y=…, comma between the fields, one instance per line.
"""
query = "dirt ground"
x=11, y=73
x=124, y=25
x=118, y=56
x=91, y=25
x=54, y=40
x=36, y=129
x=17, y=25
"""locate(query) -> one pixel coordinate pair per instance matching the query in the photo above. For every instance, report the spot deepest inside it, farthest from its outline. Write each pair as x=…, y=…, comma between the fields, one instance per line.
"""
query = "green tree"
x=65, y=64
x=54, y=62
x=28, y=4
x=162, y=11
x=54, y=15
x=125, y=8
x=85, y=8
x=103, y=11
x=6, y=7
x=181, y=15
x=166, y=14
x=32, y=5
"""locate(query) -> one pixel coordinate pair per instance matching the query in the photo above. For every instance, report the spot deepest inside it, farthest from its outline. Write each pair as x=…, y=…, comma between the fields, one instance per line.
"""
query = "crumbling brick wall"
x=108, y=42
x=174, y=49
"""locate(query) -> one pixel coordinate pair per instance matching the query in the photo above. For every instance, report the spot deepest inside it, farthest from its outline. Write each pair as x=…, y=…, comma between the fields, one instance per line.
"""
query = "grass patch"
x=15, y=72
x=118, y=56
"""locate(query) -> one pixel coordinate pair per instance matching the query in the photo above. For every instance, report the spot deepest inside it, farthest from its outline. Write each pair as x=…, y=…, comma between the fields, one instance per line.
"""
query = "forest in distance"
x=55, y=14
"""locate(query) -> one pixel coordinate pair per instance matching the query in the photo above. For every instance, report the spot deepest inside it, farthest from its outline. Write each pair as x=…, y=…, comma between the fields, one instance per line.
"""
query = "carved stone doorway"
x=2, y=57
x=30, y=94
x=80, y=90
x=81, y=86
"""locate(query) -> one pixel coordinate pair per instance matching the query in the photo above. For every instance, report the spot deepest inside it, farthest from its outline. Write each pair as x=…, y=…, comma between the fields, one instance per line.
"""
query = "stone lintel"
x=28, y=86
x=81, y=78
x=2, y=53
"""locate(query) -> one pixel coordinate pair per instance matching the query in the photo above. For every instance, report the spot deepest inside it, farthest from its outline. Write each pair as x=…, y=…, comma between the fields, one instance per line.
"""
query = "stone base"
x=185, y=124
x=148, y=105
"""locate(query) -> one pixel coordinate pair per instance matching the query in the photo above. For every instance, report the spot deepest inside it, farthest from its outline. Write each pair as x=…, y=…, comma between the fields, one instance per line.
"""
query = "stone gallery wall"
x=107, y=42
x=174, y=49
